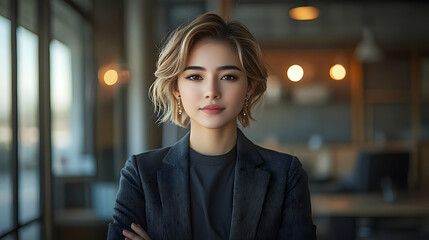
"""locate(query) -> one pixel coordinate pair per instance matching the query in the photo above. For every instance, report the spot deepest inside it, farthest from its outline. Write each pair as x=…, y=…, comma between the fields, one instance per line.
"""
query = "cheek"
x=187, y=101
x=236, y=98
x=184, y=89
x=237, y=93
x=187, y=95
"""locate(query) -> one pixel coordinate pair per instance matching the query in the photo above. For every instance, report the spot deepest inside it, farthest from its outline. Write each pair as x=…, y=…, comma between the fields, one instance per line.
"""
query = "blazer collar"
x=178, y=154
x=173, y=184
x=250, y=184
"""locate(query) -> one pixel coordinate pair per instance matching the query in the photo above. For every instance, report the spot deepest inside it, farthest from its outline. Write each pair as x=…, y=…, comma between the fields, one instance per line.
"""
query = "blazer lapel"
x=173, y=182
x=250, y=186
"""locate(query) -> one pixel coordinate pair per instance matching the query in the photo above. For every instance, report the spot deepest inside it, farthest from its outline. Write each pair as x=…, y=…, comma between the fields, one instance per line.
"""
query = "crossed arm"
x=139, y=233
x=129, y=206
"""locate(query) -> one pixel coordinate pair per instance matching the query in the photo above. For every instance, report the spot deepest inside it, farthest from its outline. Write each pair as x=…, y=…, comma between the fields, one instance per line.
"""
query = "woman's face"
x=213, y=86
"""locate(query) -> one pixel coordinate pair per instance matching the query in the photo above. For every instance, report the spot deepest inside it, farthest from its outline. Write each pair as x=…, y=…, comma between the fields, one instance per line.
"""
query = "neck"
x=213, y=141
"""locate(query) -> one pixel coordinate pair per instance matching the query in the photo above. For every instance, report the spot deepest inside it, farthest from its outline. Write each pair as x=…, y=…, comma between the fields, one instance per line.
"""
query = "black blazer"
x=271, y=198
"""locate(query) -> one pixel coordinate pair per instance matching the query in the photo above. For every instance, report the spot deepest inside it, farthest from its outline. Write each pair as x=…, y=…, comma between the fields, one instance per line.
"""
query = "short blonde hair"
x=174, y=56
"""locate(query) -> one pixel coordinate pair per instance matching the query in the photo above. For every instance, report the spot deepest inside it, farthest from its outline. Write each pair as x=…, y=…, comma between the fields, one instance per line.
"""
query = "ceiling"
x=340, y=23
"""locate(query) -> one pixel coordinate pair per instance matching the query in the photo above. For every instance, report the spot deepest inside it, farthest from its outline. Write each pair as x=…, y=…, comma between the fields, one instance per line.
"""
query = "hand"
x=142, y=235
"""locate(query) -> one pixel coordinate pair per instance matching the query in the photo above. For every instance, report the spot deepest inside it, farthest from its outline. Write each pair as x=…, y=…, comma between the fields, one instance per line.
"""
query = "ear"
x=250, y=87
x=176, y=93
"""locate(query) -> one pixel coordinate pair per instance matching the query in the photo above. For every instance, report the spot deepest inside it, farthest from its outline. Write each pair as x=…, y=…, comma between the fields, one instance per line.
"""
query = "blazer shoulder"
x=153, y=153
x=151, y=158
x=278, y=159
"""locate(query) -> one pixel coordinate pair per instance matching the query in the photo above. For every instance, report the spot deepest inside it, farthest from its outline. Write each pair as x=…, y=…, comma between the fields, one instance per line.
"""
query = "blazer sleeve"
x=297, y=222
x=130, y=203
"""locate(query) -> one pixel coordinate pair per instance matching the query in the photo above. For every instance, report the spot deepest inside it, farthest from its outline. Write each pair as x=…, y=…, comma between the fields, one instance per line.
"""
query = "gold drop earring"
x=179, y=105
x=246, y=103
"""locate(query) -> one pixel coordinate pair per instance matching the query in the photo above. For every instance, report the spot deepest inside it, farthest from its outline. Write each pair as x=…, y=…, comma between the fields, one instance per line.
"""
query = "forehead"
x=208, y=51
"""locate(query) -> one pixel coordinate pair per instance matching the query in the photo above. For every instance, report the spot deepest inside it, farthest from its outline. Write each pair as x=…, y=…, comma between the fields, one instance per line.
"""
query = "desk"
x=369, y=205
x=71, y=224
x=346, y=211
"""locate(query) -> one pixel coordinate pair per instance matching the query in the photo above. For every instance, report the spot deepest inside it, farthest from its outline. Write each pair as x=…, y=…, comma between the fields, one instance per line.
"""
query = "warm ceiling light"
x=337, y=72
x=110, y=77
x=295, y=73
x=304, y=13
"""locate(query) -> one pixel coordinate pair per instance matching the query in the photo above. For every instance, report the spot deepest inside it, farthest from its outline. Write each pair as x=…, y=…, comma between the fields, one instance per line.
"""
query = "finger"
x=131, y=235
x=140, y=231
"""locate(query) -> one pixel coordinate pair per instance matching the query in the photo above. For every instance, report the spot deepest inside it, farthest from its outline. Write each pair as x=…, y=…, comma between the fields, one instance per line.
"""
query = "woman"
x=214, y=183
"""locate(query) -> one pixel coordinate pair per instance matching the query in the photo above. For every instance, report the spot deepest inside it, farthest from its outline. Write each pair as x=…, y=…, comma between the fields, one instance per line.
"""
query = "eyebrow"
x=227, y=67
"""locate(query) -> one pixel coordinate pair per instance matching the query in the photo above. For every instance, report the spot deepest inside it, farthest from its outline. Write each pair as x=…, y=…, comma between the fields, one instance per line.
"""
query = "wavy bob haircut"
x=174, y=56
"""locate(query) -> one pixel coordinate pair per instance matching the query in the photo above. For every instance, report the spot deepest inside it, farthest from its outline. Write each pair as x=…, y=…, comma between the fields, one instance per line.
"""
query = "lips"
x=212, y=109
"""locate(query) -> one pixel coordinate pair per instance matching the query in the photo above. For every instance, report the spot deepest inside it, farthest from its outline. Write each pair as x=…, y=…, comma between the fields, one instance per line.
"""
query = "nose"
x=212, y=89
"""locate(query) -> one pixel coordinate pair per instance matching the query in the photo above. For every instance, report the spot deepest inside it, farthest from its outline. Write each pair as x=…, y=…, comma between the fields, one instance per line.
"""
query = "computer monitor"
x=372, y=169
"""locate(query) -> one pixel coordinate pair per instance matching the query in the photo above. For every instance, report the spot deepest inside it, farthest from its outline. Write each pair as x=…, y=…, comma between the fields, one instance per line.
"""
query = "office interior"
x=348, y=93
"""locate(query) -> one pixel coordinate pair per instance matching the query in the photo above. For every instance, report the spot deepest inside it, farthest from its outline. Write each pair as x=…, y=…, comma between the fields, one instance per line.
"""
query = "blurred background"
x=348, y=93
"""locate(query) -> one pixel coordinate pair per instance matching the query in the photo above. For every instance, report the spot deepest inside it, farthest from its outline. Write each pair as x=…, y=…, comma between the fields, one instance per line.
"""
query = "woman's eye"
x=229, y=77
x=194, y=77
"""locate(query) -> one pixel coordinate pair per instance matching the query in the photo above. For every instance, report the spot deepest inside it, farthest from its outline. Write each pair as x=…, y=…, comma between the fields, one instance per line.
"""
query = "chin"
x=215, y=124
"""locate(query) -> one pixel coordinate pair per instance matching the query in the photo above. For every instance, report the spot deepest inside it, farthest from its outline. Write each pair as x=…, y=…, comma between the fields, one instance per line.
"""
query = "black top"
x=211, y=187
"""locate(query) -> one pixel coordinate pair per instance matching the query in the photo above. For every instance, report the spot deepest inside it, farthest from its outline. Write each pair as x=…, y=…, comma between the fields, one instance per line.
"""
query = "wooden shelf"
x=387, y=96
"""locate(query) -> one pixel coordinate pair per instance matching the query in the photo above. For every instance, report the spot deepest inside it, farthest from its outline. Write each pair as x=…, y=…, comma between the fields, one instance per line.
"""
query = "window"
x=19, y=121
x=5, y=126
x=28, y=126
x=21, y=190
x=70, y=94
x=72, y=97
